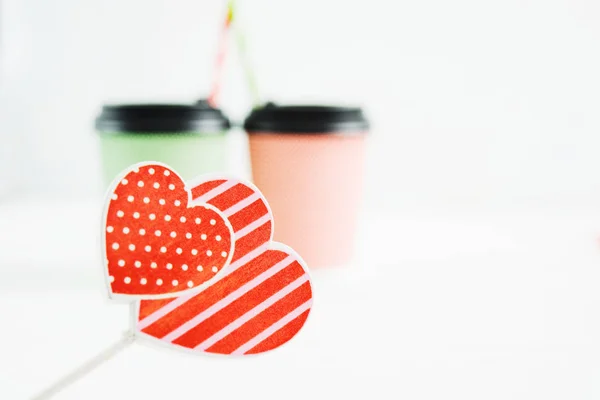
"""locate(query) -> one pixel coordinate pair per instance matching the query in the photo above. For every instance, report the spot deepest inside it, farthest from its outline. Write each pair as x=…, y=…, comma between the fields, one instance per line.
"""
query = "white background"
x=477, y=267
x=478, y=103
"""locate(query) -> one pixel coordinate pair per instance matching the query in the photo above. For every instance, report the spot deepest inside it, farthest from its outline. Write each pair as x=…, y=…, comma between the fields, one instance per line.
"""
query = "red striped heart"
x=260, y=302
x=156, y=243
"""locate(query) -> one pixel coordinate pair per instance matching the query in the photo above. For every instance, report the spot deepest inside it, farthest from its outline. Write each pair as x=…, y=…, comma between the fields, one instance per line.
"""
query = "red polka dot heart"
x=156, y=243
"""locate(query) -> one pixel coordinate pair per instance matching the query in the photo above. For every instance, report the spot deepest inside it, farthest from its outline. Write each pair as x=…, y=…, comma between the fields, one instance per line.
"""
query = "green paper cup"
x=189, y=138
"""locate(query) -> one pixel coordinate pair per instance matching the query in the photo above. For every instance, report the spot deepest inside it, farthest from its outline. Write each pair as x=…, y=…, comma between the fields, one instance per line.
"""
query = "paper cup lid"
x=310, y=119
x=161, y=118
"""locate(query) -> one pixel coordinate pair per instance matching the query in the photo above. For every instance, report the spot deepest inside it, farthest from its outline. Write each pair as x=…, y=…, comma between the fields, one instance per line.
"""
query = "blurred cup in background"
x=189, y=138
x=308, y=161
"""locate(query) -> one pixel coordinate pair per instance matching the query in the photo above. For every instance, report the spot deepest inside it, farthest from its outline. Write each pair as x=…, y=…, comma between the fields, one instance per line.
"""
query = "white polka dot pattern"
x=150, y=228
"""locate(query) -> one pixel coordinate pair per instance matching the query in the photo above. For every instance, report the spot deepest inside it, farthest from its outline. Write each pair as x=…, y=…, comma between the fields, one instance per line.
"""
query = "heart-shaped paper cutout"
x=157, y=244
x=260, y=302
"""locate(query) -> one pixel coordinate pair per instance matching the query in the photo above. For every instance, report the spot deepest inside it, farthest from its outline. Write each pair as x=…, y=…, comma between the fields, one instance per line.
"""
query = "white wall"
x=483, y=103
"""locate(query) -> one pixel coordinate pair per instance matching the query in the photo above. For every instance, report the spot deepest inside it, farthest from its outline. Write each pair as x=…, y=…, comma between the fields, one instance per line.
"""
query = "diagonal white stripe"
x=239, y=292
x=240, y=205
x=251, y=255
x=252, y=313
x=223, y=187
x=164, y=310
x=272, y=329
x=252, y=226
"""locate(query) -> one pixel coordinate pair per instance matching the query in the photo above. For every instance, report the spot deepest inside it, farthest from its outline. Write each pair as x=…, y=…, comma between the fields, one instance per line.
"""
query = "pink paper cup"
x=308, y=161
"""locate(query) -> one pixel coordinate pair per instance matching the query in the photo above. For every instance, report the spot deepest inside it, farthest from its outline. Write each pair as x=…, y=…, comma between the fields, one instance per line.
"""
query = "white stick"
x=84, y=369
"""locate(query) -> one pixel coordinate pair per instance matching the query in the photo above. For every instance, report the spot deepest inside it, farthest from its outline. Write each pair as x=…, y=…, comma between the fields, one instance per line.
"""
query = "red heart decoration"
x=157, y=243
x=259, y=303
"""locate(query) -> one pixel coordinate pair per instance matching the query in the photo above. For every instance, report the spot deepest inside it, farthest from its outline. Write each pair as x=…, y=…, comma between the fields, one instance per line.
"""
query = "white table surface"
x=436, y=306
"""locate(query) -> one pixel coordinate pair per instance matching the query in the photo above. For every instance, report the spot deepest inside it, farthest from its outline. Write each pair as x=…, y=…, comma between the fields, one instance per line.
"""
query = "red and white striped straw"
x=221, y=53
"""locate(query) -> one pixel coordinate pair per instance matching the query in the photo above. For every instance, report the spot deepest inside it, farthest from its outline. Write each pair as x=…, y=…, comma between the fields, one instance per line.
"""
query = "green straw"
x=242, y=47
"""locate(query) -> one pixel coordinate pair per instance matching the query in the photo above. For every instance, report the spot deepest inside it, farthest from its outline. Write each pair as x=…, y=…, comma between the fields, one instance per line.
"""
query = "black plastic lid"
x=310, y=119
x=161, y=118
